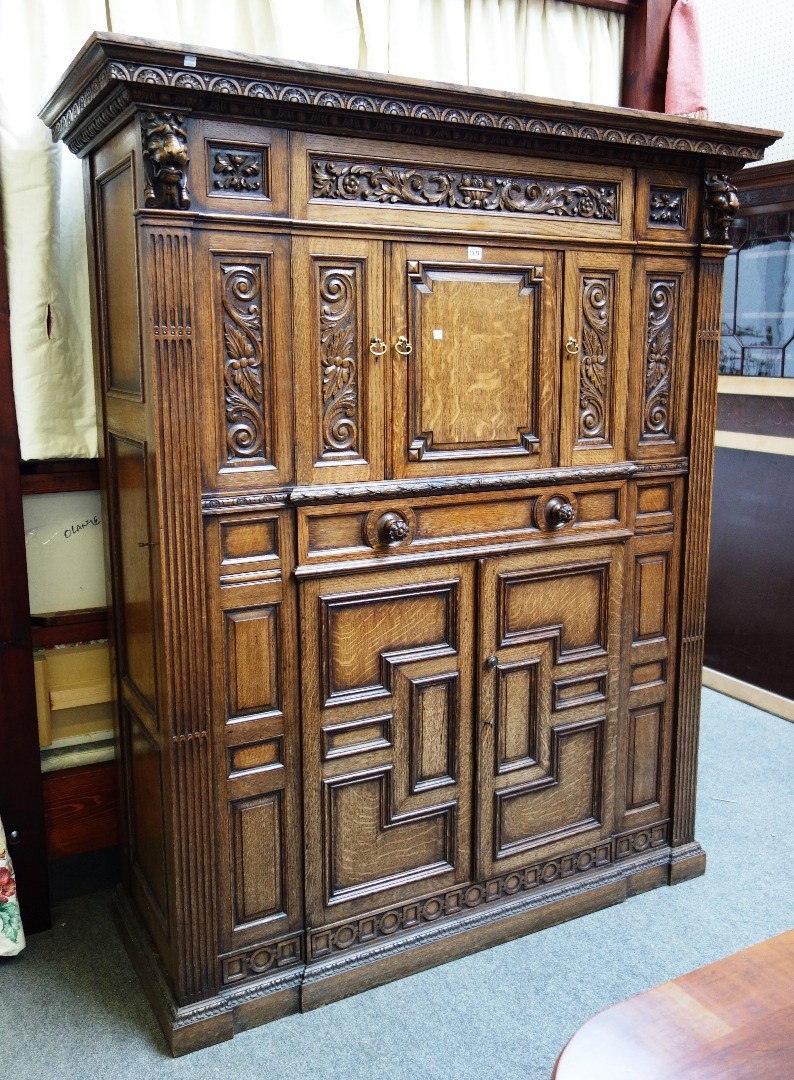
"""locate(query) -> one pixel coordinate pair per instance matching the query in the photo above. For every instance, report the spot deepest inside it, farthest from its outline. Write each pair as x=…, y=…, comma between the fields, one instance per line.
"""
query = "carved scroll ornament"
x=721, y=204
x=463, y=191
x=339, y=368
x=242, y=366
x=659, y=359
x=593, y=365
x=166, y=159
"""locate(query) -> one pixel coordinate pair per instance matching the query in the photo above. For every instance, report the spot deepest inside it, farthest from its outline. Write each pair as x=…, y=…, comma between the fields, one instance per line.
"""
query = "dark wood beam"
x=645, y=52
x=60, y=474
x=21, y=797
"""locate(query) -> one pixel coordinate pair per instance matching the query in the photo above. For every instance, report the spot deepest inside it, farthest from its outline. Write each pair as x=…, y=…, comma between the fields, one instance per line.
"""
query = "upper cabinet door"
x=594, y=346
x=473, y=350
x=340, y=356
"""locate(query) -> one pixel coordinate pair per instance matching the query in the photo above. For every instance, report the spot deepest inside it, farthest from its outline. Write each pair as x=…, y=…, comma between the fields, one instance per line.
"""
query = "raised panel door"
x=549, y=658
x=387, y=736
x=340, y=357
x=594, y=349
x=473, y=378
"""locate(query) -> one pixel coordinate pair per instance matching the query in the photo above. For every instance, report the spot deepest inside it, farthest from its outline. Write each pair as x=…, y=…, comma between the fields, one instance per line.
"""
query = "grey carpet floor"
x=71, y=1006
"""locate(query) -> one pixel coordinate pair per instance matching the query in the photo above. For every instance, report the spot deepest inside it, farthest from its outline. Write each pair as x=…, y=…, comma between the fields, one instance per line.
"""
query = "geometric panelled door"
x=549, y=678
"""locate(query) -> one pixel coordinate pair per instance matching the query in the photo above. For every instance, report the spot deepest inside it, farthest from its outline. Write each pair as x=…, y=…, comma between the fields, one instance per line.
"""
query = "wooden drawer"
x=389, y=531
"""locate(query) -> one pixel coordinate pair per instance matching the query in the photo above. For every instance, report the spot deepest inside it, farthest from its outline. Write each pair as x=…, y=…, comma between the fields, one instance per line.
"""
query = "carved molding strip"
x=340, y=374
x=659, y=356
x=222, y=504
x=388, y=489
x=407, y=186
x=594, y=365
x=441, y=906
x=242, y=361
x=190, y=82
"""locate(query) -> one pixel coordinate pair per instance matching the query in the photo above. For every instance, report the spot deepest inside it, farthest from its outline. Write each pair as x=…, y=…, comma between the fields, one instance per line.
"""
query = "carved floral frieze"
x=415, y=186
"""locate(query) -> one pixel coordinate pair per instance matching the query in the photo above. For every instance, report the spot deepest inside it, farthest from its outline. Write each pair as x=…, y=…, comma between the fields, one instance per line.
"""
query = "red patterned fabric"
x=686, y=78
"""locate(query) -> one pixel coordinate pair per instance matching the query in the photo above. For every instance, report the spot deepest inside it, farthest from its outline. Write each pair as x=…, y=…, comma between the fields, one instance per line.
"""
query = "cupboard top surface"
x=112, y=73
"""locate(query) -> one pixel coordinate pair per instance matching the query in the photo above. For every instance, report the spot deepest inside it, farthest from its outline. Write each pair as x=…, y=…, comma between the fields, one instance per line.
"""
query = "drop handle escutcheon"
x=403, y=345
x=377, y=346
x=491, y=662
x=572, y=346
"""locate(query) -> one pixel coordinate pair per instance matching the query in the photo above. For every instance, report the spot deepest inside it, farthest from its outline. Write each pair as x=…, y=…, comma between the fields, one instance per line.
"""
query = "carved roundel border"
x=374, y=524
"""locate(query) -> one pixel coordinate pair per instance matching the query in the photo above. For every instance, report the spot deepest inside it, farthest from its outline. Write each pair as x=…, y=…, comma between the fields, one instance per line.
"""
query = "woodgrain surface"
x=401, y=476
x=731, y=1020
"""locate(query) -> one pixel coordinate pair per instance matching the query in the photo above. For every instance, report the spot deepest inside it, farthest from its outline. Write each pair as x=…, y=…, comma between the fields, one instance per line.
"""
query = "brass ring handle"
x=403, y=345
x=377, y=346
x=572, y=346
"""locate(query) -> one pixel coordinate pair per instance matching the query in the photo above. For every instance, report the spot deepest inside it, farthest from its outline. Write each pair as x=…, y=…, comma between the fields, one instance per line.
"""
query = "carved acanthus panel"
x=236, y=170
x=394, y=185
x=667, y=207
x=166, y=159
x=596, y=360
x=659, y=360
x=246, y=396
x=339, y=290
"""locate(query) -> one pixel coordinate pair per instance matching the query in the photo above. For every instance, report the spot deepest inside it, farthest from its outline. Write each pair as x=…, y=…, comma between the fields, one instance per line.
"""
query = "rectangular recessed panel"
x=129, y=484
x=254, y=756
x=516, y=715
x=566, y=604
x=655, y=500
x=341, y=532
x=647, y=674
x=357, y=737
x=473, y=386
x=120, y=292
x=147, y=811
x=245, y=540
x=650, y=596
x=257, y=867
x=370, y=849
x=644, y=738
x=580, y=690
x=252, y=660
x=432, y=731
x=361, y=630
x=564, y=802
x=597, y=506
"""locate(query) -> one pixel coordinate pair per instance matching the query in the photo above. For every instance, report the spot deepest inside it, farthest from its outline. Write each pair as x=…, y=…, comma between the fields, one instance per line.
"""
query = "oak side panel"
x=695, y=574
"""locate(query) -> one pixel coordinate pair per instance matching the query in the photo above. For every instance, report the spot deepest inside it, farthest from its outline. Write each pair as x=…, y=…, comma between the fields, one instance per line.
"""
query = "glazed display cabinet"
x=408, y=402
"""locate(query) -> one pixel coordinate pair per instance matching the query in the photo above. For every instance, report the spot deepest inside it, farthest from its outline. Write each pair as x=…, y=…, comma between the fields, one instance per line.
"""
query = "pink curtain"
x=686, y=79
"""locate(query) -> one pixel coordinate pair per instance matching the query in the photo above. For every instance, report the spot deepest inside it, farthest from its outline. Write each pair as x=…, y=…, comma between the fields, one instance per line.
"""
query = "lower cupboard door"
x=387, y=737
x=549, y=679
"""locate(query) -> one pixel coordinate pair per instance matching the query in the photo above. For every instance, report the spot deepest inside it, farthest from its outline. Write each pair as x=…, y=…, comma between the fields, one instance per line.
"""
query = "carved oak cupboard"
x=408, y=398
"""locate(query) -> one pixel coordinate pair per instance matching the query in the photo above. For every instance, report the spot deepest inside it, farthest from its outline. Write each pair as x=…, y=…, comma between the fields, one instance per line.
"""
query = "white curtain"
x=548, y=48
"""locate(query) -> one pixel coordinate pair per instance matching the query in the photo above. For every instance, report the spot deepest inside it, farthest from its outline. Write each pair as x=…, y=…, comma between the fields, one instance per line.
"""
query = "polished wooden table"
x=733, y=1020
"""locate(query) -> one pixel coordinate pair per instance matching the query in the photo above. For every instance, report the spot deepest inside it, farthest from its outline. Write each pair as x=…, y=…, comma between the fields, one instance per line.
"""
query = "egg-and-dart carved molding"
x=251, y=90
x=396, y=185
x=439, y=907
x=217, y=503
